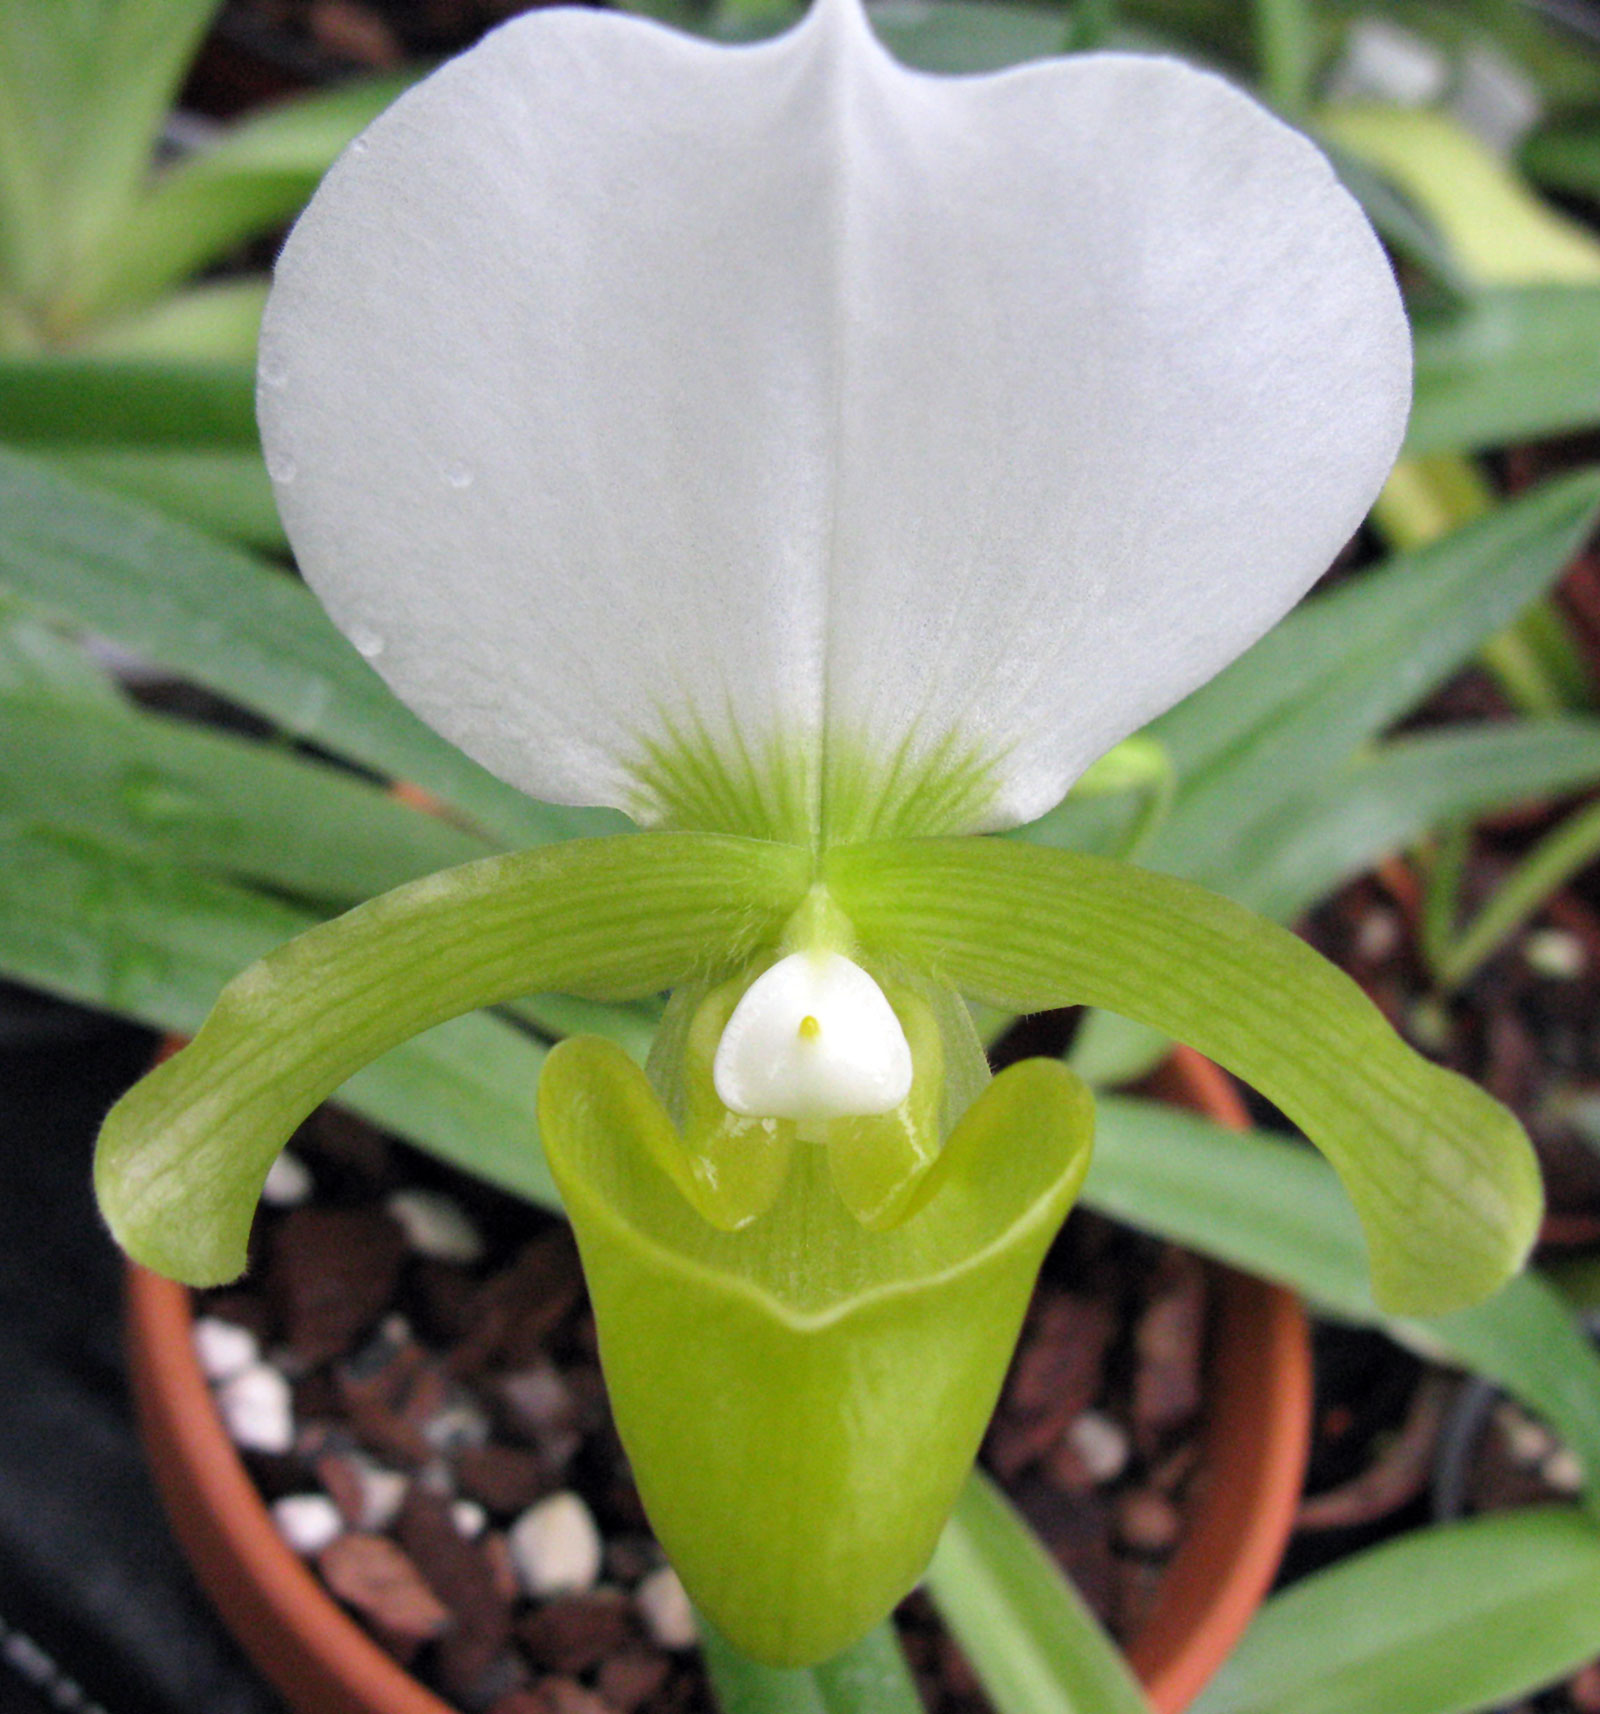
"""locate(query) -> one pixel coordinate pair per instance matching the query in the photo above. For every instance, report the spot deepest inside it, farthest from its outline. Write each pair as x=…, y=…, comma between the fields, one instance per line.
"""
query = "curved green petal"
x=1442, y=1175
x=802, y=1399
x=181, y=1159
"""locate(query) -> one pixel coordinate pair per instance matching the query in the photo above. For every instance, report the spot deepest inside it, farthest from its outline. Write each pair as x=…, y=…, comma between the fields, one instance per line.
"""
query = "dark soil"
x=463, y=1392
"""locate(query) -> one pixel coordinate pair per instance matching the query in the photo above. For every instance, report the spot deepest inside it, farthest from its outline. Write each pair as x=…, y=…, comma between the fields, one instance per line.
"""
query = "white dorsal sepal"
x=812, y=1039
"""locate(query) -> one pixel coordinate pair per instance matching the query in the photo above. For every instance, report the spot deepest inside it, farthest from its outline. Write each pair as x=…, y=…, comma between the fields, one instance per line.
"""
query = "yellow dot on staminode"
x=810, y=1029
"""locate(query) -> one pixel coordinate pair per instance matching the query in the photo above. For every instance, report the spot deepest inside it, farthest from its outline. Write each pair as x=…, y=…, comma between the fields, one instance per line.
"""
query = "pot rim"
x=1253, y=1459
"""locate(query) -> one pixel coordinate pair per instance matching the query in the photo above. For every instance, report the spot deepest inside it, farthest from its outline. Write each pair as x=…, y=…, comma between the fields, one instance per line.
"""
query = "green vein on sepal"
x=855, y=1370
x=796, y=789
x=1442, y=1176
x=181, y=1159
x=947, y=787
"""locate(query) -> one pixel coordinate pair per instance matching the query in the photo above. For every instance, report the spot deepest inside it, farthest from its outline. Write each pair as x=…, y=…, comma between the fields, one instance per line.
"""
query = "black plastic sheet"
x=97, y=1606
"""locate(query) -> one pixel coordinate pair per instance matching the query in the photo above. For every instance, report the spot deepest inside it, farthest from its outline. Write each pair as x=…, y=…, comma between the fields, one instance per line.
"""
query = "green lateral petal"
x=181, y=1159
x=801, y=1399
x=155, y=942
x=1442, y=1176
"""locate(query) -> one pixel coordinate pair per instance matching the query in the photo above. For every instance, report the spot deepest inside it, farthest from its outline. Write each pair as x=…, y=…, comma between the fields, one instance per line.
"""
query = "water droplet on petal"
x=359, y=146
x=457, y=475
x=368, y=644
x=281, y=466
x=273, y=369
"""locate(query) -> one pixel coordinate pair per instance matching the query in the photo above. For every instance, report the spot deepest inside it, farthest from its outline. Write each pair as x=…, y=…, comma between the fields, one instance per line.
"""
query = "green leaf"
x=84, y=88
x=225, y=493
x=1520, y=363
x=1461, y=1617
x=210, y=800
x=1406, y=230
x=241, y=628
x=1029, y=1635
x=1565, y=155
x=1286, y=52
x=138, y=57
x=1266, y=735
x=217, y=322
x=182, y=1156
x=868, y=1678
x=1498, y=229
x=464, y=1090
x=1271, y=1207
x=967, y=35
x=38, y=662
x=109, y=402
x=133, y=936
x=855, y=1370
x=179, y=433
x=1386, y=799
x=257, y=177
x=156, y=943
x=1365, y=654
x=1443, y=1177
x=1339, y=669
x=1549, y=865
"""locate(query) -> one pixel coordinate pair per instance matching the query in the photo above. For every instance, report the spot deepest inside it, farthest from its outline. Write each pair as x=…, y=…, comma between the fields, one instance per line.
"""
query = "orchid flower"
x=823, y=463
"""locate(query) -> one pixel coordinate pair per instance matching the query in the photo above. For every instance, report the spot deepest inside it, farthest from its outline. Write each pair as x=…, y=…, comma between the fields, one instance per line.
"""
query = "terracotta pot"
x=1259, y=1406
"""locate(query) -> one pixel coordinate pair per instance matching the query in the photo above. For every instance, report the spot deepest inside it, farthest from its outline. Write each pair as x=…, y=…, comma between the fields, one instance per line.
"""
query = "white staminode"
x=648, y=410
x=812, y=1039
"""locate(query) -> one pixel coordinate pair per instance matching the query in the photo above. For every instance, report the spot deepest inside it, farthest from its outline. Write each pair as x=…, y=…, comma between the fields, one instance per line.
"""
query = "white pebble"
x=383, y=1493
x=1385, y=62
x=1494, y=99
x=455, y=1425
x=1378, y=935
x=469, y=1518
x=556, y=1547
x=223, y=1348
x=288, y=1183
x=436, y=1226
x=1554, y=953
x=665, y=1610
x=1101, y=1445
x=308, y=1522
x=1527, y=1442
x=258, y=1408
x=1563, y=1471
